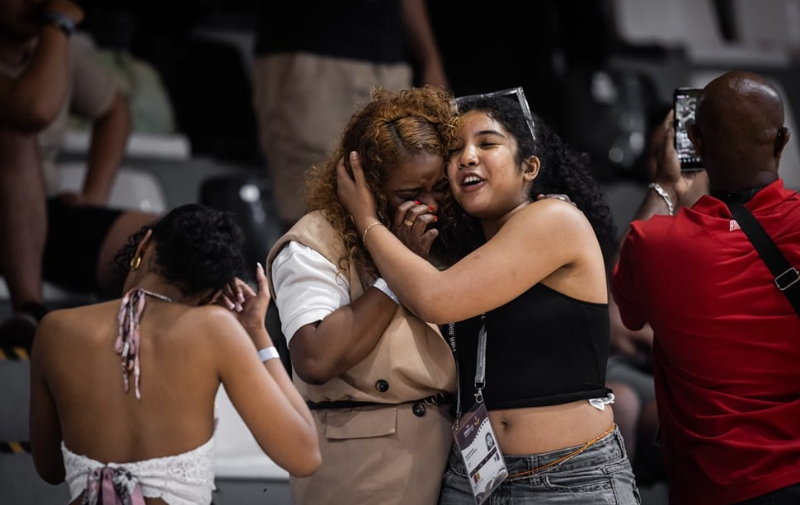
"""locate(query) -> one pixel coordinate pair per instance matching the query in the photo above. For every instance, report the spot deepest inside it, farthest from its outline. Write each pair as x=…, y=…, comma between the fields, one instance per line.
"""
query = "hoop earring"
x=136, y=262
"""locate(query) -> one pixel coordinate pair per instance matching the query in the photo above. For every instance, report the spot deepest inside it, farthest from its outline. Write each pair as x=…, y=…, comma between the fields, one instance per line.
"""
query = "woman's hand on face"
x=411, y=225
x=231, y=296
x=254, y=307
x=354, y=193
x=250, y=307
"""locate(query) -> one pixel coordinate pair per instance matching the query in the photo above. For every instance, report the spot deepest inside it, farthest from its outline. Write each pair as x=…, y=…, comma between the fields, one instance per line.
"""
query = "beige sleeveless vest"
x=392, y=455
x=411, y=356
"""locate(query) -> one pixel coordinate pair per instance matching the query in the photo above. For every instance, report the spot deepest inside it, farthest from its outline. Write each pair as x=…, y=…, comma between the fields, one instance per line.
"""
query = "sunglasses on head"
x=518, y=92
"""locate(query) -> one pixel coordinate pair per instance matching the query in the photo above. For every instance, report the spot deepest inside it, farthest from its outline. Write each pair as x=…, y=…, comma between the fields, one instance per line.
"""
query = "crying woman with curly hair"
x=376, y=377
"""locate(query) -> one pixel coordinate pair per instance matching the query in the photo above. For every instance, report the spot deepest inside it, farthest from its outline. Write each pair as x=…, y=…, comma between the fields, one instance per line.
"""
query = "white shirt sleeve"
x=307, y=288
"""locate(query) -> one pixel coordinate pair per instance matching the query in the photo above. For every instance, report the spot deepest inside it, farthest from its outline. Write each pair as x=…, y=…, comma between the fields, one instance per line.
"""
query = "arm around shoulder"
x=546, y=237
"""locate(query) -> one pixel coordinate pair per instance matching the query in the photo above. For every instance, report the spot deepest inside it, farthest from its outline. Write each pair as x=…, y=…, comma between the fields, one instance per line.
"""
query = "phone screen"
x=684, y=104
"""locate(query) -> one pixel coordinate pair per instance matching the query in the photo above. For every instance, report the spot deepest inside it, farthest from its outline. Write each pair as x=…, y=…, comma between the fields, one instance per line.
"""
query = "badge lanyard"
x=475, y=438
x=480, y=368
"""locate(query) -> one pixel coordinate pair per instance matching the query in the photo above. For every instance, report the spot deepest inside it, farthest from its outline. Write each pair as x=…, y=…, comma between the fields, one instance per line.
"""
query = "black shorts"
x=75, y=236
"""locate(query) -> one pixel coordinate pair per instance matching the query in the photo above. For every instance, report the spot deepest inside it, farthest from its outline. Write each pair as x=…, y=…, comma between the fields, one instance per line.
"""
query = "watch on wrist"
x=61, y=21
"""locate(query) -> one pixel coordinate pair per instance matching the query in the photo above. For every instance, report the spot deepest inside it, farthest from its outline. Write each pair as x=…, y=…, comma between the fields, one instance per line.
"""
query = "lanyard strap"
x=480, y=368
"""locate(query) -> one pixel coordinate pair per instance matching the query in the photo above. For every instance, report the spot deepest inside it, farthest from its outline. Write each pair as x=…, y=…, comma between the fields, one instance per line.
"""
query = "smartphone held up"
x=684, y=103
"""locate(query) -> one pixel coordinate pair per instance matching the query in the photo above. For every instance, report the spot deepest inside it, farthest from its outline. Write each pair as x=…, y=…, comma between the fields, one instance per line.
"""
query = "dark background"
x=601, y=92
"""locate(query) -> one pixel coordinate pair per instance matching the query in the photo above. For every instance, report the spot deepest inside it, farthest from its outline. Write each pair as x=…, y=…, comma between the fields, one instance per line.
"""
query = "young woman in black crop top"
x=536, y=270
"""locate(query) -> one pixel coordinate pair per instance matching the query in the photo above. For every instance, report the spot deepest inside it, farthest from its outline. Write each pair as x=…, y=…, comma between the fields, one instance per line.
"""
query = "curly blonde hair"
x=391, y=128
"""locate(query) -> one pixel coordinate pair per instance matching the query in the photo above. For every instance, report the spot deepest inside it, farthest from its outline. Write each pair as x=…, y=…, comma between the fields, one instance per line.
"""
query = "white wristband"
x=381, y=284
x=268, y=353
x=663, y=194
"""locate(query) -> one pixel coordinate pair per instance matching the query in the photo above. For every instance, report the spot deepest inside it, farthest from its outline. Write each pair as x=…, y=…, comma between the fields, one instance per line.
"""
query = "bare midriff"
x=543, y=429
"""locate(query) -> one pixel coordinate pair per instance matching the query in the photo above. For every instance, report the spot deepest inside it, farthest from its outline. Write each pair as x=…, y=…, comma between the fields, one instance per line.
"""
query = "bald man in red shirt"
x=726, y=339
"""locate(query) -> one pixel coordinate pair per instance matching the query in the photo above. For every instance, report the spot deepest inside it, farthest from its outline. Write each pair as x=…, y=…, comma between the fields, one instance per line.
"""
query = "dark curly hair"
x=563, y=171
x=196, y=247
x=392, y=127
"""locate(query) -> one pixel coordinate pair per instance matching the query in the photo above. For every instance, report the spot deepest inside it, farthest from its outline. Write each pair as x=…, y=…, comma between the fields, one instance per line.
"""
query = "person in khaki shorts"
x=376, y=377
x=315, y=65
x=48, y=72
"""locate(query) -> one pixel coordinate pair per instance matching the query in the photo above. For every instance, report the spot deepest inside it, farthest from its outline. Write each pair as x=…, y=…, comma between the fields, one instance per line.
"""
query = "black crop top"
x=542, y=348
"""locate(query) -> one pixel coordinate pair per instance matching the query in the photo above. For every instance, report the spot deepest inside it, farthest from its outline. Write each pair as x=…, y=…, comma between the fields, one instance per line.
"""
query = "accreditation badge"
x=486, y=467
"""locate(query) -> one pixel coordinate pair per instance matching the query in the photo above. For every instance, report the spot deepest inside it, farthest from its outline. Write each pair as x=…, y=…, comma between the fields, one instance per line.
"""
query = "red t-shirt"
x=726, y=348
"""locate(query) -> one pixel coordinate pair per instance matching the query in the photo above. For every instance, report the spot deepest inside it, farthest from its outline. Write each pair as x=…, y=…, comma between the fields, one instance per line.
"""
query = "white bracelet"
x=268, y=353
x=663, y=194
x=381, y=284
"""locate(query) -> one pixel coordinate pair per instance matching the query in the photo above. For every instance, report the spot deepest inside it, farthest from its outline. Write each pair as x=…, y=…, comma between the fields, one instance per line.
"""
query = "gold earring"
x=136, y=262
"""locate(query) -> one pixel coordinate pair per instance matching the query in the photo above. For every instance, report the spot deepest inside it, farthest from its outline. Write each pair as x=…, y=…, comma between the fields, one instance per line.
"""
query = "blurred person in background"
x=316, y=63
x=47, y=72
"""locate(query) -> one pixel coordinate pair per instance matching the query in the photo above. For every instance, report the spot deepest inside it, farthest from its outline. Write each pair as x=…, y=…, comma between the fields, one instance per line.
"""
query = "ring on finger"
x=408, y=223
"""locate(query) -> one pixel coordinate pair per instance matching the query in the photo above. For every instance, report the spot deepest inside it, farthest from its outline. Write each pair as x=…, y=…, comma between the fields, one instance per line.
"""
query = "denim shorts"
x=601, y=474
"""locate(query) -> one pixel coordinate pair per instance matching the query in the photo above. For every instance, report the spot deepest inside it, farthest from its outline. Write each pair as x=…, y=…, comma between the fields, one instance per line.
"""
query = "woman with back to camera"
x=123, y=392
x=374, y=374
x=533, y=272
